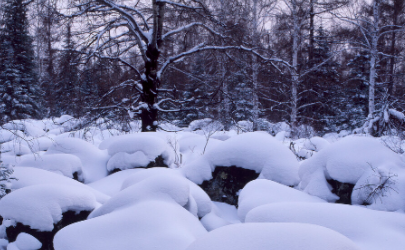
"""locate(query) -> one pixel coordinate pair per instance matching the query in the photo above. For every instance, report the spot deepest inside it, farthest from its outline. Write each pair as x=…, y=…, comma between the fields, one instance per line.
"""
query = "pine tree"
x=19, y=89
x=68, y=77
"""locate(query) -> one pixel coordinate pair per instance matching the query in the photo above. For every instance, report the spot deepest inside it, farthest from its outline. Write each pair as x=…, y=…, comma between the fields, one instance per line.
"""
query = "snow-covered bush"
x=344, y=163
x=6, y=171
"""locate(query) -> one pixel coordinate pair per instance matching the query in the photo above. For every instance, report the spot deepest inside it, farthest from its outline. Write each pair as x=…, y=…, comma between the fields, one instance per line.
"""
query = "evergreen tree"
x=19, y=89
x=67, y=86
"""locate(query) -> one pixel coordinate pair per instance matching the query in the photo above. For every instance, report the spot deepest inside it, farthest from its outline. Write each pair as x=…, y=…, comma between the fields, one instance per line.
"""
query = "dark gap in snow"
x=76, y=176
x=46, y=237
x=226, y=183
x=158, y=162
x=343, y=190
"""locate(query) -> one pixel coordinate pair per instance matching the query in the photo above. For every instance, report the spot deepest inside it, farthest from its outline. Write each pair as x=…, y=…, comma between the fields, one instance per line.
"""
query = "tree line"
x=330, y=64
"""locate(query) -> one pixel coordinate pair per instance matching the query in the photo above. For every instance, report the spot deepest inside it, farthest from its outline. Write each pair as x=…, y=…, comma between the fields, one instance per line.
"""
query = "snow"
x=197, y=195
x=150, y=144
x=345, y=161
x=111, y=184
x=41, y=206
x=256, y=151
x=369, y=229
x=94, y=160
x=64, y=164
x=222, y=214
x=28, y=176
x=26, y=241
x=275, y=236
x=164, y=208
x=260, y=192
x=153, y=224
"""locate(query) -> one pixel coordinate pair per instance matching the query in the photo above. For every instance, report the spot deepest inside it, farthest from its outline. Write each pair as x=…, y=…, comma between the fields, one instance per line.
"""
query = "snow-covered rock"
x=254, y=151
x=65, y=164
x=41, y=206
x=94, y=160
x=136, y=149
x=344, y=161
x=260, y=192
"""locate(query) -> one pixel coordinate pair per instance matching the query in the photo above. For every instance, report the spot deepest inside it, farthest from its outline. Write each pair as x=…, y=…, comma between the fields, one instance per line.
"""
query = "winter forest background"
x=332, y=65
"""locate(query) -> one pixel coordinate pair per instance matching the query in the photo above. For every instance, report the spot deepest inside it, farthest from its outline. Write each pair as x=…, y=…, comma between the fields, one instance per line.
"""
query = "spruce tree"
x=19, y=89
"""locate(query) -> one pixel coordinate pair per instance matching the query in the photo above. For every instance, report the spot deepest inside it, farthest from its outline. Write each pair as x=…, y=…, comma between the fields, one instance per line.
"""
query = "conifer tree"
x=19, y=89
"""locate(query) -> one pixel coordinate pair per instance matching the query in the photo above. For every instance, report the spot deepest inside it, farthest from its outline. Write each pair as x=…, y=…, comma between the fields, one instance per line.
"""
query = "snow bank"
x=260, y=192
x=64, y=164
x=369, y=229
x=149, y=146
x=94, y=161
x=41, y=206
x=111, y=184
x=28, y=176
x=197, y=195
x=26, y=241
x=381, y=189
x=255, y=151
x=345, y=161
x=274, y=236
x=148, y=225
x=222, y=214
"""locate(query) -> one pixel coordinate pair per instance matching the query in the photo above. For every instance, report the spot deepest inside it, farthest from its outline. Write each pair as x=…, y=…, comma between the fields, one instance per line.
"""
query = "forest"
x=329, y=65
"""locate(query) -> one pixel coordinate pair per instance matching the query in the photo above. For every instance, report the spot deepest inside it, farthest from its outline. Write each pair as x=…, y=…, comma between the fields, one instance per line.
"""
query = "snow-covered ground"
x=134, y=202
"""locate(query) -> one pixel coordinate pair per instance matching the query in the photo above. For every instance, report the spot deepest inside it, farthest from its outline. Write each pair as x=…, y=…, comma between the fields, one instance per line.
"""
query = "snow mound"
x=255, y=151
x=26, y=241
x=64, y=164
x=316, y=144
x=222, y=214
x=111, y=184
x=41, y=206
x=369, y=229
x=124, y=161
x=28, y=176
x=274, y=236
x=94, y=161
x=149, y=145
x=345, y=161
x=381, y=189
x=197, y=196
x=149, y=225
x=260, y=192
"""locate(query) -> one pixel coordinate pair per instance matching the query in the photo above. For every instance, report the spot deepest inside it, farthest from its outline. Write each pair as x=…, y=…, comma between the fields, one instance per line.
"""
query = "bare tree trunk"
x=255, y=69
x=295, y=76
x=373, y=59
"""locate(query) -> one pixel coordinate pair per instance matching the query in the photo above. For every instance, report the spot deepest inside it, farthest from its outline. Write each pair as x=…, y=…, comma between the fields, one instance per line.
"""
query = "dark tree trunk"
x=149, y=113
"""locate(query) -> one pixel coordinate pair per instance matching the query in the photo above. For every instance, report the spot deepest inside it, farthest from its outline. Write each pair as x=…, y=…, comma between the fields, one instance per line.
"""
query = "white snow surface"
x=222, y=214
x=148, y=225
x=41, y=206
x=345, y=161
x=197, y=197
x=64, y=164
x=260, y=192
x=256, y=151
x=111, y=184
x=151, y=145
x=28, y=176
x=94, y=160
x=274, y=236
x=26, y=241
x=369, y=229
